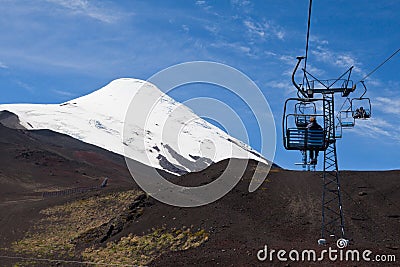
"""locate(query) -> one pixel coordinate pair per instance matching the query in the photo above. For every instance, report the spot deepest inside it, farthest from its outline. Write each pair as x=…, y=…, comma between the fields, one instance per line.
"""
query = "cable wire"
x=307, y=40
x=380, y=65
x=308, y=34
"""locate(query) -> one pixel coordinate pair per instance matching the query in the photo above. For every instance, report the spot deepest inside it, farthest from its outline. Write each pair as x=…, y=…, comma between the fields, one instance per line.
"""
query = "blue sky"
x=55, y=50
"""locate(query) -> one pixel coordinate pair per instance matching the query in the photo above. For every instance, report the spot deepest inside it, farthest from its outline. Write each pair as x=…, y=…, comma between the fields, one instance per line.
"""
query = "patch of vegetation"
x=72, y=231
x=141, y=250
x=55, y=233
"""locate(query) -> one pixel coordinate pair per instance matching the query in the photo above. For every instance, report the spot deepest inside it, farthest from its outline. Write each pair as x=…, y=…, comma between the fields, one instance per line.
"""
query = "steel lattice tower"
x=332, y=210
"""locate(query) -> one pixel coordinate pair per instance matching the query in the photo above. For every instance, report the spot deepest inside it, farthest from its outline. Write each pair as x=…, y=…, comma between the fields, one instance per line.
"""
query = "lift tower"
x=332, y=209
x=299, y=136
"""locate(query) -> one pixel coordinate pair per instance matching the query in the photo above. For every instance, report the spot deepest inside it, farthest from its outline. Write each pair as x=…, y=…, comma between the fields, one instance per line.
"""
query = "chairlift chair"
x=361, y=102
x=357, y=104
x=346, y=119
x=296, y=136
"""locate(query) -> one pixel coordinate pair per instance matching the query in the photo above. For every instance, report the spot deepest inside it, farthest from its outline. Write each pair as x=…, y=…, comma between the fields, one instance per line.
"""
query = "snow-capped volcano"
x=170, y=137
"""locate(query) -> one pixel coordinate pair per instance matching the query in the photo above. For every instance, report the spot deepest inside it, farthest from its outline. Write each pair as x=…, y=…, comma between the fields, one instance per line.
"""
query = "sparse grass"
x=54, y=234
x=141, y=250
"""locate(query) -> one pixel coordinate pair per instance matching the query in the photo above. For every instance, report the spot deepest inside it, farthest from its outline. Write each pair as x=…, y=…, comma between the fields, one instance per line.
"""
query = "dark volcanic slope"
x=34, y=161
x=284, y=213
x=10, y=120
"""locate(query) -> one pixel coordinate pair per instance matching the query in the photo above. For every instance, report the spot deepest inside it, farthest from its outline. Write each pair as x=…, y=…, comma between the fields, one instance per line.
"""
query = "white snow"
x=99, y=119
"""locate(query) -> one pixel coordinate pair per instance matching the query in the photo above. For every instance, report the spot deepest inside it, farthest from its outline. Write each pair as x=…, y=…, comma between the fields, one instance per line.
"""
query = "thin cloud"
x=63, y=93
x=377, y=128
x=204, y=5
x=387, y=105
x=291, y=61
x=213, y=29
x=279, y=85
x=3, y=66
x=185, y=28
x=24, y=85
x=255, y=28
x=270, y=53
x=242, y=49
x=343, y=60
x=263, y=30
x=89, y=9
x=318, y=40
x=314, y=70
x=284, y=86
x=242, y=5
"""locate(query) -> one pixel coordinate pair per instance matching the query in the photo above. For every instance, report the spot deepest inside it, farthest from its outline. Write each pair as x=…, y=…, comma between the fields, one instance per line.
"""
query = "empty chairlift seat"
x=346, y=119
x=347, y=124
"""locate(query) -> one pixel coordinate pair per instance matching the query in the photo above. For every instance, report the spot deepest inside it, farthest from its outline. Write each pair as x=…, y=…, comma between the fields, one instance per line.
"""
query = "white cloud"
x=204, y=5
x=264, y=29
x=279, y=85
x=88, y=8
x=242, y=5
x=285, y=86
x=212, y=29
x=64, y=93
x=185, y=28
x=291, y=61
x=24, y=85
x=254, y=28
x=387, y=105
x=314, y=70
x=343, y=60
x=3, y=66
x=377, y=128
x=280, y=34
x=318, y=40
x=374, y=82
x=242, y=49
x=270, y=53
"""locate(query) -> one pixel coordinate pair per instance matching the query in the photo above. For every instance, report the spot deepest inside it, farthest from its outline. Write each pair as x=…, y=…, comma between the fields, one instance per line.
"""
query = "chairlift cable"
x=307, y=39
x=308, y=34
x=380, y=65
x=375, y=69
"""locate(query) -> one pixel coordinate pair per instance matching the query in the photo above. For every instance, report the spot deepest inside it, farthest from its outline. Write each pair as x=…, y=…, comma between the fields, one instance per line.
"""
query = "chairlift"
x=361, y=106
x=296, y=136
x=346, y=118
